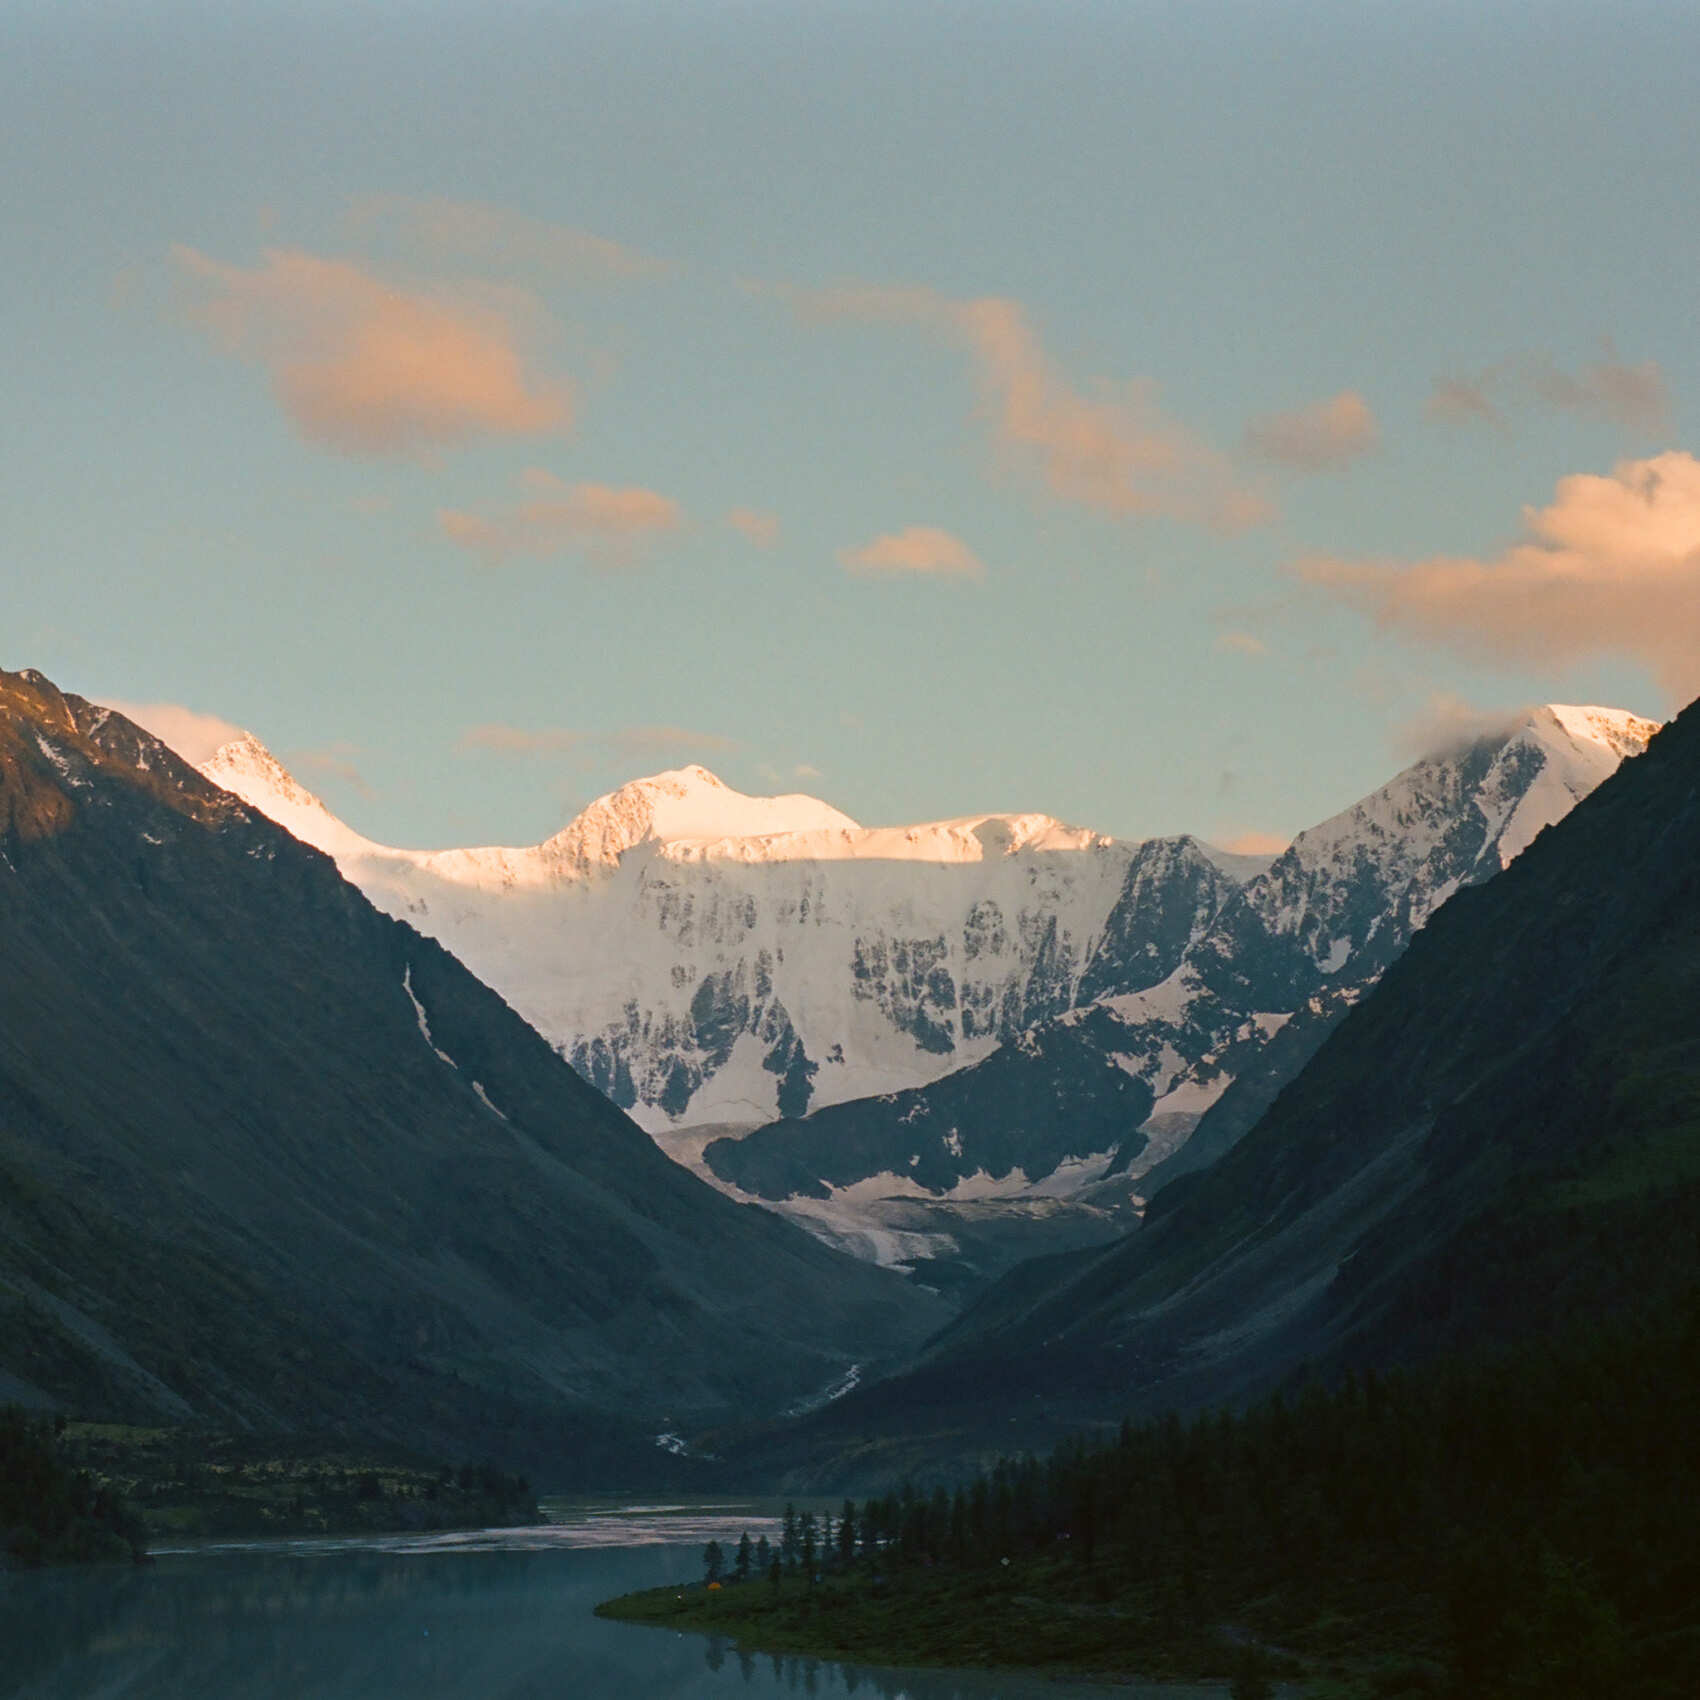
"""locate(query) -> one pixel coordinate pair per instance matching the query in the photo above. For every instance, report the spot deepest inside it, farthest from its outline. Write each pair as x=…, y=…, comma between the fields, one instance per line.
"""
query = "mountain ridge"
x=1125, y=1080
x=760, y=975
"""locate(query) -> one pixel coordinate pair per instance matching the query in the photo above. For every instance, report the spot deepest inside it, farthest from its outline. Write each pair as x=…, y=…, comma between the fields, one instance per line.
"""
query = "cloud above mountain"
x=1635, y=397
x=500, y=236
x=762, y=529
x=1611, y=566
x=924, y=550
x=192, y=735
x=518, y=740
x=1320, y=437
x=364, y=367
x=610, y=527
x=1111, y=447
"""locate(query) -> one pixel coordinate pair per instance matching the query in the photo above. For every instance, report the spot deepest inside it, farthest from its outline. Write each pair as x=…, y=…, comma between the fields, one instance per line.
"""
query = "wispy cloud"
x=1610, y=566
x=1444, y=724
x=1320, y=437
x=1242, y=643
x=917, y=549
x=1257, y=844
x=644, y=740
x=500, y=236
x=364, y=367
x=1633, y=396
x=193, y=736
x=1464, y=401
x=762, y=529
x=518, y=740
x=335, y=760
x=1113, y=448
x=611, y=527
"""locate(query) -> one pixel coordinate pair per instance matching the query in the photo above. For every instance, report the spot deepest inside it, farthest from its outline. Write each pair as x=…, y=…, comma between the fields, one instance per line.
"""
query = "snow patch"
x=1191, y=1096
x=424, y=1025
x=484, y=1097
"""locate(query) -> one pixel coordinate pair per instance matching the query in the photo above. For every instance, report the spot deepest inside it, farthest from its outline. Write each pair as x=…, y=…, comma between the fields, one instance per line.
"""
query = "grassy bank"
x=187, y=1482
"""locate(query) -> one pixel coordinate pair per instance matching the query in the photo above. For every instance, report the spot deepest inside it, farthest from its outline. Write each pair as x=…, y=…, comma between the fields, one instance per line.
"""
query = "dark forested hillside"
x=269, y=1159
x=1505, y=1526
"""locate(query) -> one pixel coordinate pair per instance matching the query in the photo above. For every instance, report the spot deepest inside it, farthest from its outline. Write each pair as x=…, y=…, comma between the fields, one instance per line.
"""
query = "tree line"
x=1514, y=1526
x=51, y=1512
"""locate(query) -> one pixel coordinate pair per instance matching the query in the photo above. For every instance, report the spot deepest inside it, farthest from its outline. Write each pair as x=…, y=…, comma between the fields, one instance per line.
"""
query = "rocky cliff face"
x=701, y=956
x=1090, y=1100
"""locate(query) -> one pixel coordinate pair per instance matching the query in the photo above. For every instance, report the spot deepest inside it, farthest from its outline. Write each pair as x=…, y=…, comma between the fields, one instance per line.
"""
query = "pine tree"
x=741, y=1565
x=713, y=1562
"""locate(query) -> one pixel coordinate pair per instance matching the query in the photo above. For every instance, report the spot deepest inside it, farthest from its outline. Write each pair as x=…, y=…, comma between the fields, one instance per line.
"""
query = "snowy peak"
x=247, y=769
x=1579, y=748
x=1613, y=729
x=684, y=805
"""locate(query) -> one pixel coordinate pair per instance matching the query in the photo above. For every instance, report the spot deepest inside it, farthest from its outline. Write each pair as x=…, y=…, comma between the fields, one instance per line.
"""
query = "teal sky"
x=1163, y=416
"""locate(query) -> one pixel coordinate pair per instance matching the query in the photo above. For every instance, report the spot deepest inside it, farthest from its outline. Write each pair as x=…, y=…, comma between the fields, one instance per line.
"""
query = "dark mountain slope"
x=268, y=1157
x=1503, y=1136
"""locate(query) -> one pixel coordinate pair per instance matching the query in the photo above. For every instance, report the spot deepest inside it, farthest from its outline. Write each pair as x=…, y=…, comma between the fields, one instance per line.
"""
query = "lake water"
x=502, y=1615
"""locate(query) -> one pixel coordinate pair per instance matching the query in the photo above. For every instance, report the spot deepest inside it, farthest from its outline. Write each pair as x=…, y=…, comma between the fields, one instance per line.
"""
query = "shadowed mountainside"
x=1503, y=1137
x=270, y=1159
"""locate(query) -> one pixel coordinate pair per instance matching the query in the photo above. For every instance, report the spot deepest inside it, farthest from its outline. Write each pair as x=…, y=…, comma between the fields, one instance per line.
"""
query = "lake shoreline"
x=946, y=1623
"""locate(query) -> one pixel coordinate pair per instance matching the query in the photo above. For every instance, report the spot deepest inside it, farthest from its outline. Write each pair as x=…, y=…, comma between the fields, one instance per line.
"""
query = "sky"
x=1166, y=417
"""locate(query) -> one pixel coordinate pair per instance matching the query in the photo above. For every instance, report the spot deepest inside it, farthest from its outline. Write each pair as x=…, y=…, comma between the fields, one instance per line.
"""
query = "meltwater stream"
x=497, y=1615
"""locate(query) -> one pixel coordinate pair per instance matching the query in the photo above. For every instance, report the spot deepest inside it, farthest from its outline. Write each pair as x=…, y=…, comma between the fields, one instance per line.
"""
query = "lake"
x=498, y=1615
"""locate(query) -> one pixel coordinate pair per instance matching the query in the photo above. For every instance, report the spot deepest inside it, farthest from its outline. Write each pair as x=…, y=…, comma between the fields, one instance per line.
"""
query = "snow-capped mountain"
x=1090, y=1099
x=999, y=1007
x=707, y=957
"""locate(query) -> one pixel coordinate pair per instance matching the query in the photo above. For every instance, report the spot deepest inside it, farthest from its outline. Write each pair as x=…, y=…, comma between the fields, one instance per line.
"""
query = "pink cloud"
x=334, y=761
x=1112, y=449
x=1242, y=643
x=762, y=529
x=924, y=549
x=1464, y=401
x=193, y=736
x=611, y=527
x=637, y=740
x=475, y=230
x=517, y=740
x=1257, y=844
x=366, y=368
x=1320, y=437
x=1610, y=567
x=1633, y=396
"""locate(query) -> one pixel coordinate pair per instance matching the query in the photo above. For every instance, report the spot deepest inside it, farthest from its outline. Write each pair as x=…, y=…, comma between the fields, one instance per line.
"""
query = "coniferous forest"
x=50, y=1511
x=1507, y=1527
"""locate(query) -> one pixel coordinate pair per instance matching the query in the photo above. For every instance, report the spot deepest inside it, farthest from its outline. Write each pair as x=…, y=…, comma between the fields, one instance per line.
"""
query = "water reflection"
x=495, y=1619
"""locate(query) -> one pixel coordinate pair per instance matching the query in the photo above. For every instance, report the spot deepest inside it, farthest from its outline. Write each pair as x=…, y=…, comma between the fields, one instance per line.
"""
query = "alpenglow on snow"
x=711, y=959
